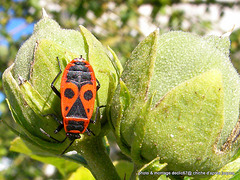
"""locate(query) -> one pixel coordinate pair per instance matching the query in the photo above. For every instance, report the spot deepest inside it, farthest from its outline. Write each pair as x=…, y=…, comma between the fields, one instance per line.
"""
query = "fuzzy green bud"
x=178, y=100
x=27, y=82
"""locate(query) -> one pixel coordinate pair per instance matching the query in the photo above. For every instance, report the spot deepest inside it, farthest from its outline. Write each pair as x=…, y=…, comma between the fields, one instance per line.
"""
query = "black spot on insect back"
x=69, y=93
x=88, y=95
x=77, y=110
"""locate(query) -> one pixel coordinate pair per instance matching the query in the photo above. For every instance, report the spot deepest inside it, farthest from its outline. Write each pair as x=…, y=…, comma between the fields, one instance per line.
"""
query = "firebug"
x=77, y=93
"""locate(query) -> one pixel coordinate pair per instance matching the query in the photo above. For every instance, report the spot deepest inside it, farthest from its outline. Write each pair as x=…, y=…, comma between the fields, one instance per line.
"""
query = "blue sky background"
x=17, y=27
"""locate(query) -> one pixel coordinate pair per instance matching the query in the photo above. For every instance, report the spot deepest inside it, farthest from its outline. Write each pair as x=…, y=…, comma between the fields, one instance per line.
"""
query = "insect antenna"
x=67, y=147
x=48, y=135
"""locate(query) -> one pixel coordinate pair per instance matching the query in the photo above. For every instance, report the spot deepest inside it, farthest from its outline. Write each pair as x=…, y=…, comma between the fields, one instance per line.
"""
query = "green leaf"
x=229, y=171
x=151, y=170
x=44, y=69
x=221, y=43
x=236, y=175
x=193, y=109
x=65, y=167
x=81, y=173
x=140, y=131
x=100, y=61
x=117, y=64
x=124, y=168
x=164, y=177
x=139, y=68
x=49, y=29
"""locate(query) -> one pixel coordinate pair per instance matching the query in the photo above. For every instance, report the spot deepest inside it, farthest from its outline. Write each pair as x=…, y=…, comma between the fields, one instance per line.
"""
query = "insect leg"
x=52, y=84
x=48, y=135
x=59, y=128
x=54, y=116
x=98, y=86
x=89, y=131
x=97, y=111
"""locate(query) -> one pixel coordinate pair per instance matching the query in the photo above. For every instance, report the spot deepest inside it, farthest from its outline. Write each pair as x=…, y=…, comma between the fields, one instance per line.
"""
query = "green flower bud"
x=178, y=100
x=27, y=82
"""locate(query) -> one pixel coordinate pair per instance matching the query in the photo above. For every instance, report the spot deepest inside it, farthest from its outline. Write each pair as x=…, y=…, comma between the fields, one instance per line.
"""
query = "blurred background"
x=118, y=24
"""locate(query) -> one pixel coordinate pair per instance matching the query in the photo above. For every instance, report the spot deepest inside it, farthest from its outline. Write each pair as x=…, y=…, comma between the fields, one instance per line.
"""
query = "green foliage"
x=64, y=166
x=115, y=24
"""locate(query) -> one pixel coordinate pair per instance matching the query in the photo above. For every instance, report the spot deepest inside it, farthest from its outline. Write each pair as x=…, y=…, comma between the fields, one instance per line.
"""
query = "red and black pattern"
x=78, y=92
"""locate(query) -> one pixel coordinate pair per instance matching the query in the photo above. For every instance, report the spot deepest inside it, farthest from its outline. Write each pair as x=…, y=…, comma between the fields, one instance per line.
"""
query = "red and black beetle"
x=77, y=92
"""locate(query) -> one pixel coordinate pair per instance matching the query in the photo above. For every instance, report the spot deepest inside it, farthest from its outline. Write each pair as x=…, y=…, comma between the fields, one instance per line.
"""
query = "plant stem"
x=99, y=163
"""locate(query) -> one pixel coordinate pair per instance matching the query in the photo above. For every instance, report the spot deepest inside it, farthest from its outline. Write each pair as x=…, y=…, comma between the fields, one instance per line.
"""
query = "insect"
x=77, y=93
